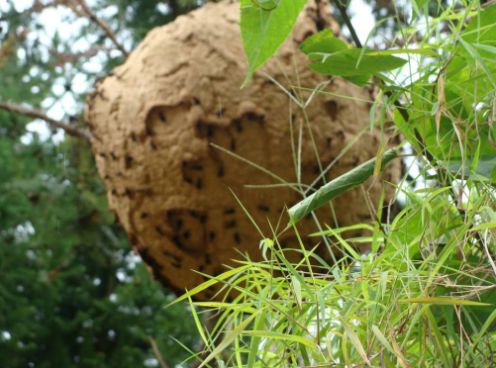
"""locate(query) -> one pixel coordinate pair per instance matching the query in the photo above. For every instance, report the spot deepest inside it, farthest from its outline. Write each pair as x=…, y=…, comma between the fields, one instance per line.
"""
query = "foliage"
x=264, y=26
x=72, y=291
x=423, y=296
x=73, y=294
x=341, y=184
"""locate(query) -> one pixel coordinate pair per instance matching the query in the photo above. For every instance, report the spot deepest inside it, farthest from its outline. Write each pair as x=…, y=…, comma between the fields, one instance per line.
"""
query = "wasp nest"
x=165, y=122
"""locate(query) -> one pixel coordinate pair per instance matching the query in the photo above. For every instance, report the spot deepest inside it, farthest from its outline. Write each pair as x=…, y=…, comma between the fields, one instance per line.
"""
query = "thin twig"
x=104, y=26
x=38, y=114
x=347, y=21
x=62, y=58
x=157, y=353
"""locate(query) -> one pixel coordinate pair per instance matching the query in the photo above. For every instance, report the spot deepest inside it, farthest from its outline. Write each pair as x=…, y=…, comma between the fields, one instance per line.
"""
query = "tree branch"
x=38, y=7
x=157, y=353
x=347, y=21
x=104, y=26
x=38, y=114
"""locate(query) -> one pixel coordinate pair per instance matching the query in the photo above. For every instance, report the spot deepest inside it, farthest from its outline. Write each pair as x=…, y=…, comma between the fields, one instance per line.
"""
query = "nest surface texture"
x=160, y=118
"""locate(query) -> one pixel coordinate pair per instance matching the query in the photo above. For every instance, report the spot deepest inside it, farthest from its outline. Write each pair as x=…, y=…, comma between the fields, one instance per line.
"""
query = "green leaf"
x=349, y=63
x=198, y=323
x=323, y=42
x=484, y=226
x=423, y=51
x=355, y=340
x=482, y=27
x=359, y=80
x=332, y=56
x=264, y=28
x=297, y=290
x=464, y=102
x=338, y=186
x=229, y=337
x=382, y=339
x=442, y=301
x=279, y=336
x=478, y=58
x=205, y=285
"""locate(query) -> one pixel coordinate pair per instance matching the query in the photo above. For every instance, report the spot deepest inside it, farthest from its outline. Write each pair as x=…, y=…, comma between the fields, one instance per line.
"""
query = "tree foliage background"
x=72, y=292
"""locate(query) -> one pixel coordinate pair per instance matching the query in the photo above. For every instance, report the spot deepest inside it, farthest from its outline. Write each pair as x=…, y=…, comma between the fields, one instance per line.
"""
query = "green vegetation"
x=73, y=294
x=72, y=291
x=424, y=295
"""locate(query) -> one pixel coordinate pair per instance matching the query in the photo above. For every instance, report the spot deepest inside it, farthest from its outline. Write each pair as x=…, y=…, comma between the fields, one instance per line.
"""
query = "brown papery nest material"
x=159, y=119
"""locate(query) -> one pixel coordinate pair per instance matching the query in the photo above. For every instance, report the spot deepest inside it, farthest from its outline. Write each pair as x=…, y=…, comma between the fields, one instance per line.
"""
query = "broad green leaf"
x=349, y=63
x=478, y=58
x=430, y=216
x=450, y=113
x=264, y=27
x=488, y=48
x=332, y=56
x=323, y=42
x=359, y=80
x=338, y=186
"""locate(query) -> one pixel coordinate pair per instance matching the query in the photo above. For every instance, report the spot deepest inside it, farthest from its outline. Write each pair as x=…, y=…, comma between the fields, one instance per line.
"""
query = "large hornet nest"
x=160, y=118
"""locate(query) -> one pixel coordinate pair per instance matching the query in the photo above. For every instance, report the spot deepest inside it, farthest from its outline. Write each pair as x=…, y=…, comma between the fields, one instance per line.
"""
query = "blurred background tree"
x=72, y=292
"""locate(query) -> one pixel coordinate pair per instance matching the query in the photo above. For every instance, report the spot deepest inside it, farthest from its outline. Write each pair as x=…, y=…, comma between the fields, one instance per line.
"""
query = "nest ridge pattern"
x=159, y=119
